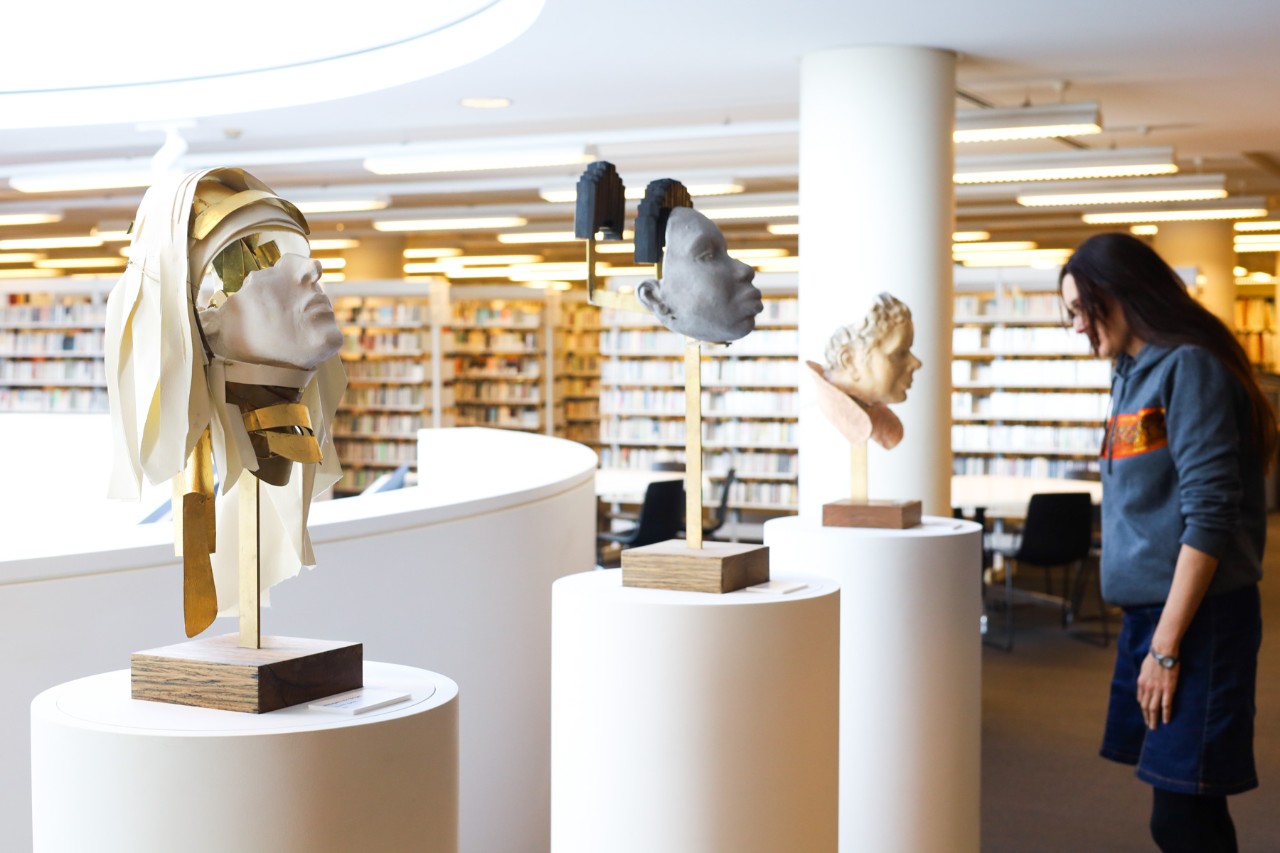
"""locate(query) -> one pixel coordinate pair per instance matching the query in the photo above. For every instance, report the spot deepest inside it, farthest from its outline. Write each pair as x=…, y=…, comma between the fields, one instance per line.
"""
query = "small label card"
x=777, y=587
x=358, y=701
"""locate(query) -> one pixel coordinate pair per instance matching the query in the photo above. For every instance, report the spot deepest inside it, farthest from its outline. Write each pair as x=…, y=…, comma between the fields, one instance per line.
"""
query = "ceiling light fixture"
x=1258, y=225
x=521, y=237
x=773, y=211
x=636, y=191
x=29, y=218
x=969, y=236
x=1241, y=239
x=1129, y=191
x=1247, y=248
x=432, y=253
x=51, y=243
x=615, y=248
x=1229, y=208
x=328, y=264
x=434, y=159
x=757, y=254
x=333, y=244
x=1030, y=122
x=20, y=257
x=492, y=260
x=1065, y=165
x=78, y=263
x=340, y=205
x=1003, y=246
x=485, y=103
x=783, y=229
x=1144, y=230
x=476, y=224
x=28, y=273
x=1031, y=258
x=59, y=180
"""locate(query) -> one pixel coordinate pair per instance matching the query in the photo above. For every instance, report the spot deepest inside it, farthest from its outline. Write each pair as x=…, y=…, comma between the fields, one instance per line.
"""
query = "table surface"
x=1009, y=496
x=102, y=702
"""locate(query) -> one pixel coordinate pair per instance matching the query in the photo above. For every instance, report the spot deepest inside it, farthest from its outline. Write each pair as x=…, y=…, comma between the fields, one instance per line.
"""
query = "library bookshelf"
x=749, y=402
x=51, y=345
x=1028, y=397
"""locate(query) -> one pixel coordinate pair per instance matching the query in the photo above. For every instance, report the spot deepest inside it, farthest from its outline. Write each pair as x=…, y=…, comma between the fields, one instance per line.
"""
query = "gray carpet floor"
x=1044, y=788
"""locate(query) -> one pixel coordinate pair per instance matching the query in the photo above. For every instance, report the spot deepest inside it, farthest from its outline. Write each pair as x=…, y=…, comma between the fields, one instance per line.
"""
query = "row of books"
x=1031, y=406
x=581, y=409
x=35, y=343
x=718, y=371
x=397, y=313
x=410, y=343
x=1259, y=346
x=773, y=403
x=376, y=452
x=53, y=399
x=498, y=313
x=976, y=437
x=1037, y=305
x=1081, y=373
x=496, y=367
x=497, y=391
x=497, y=340
x=56, y=314
x=1255, y=314
x=663, y=342
x=57, y=370
x=580, y=386
x=396, y=396
x=1015, y=340
x=718, y=432
x=367, y=424
x=1023, y=466
x=388, y=369
x=776, y=312
x=519, y=417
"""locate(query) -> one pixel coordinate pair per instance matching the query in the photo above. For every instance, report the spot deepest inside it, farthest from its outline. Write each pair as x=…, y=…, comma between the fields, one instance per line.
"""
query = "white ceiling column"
x=877, y=214
x=1208, y=247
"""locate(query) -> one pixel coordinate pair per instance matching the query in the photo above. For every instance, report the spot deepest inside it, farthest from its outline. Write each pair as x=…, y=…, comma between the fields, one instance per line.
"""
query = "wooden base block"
x=897, y=515
x=716, y=567
x=215, y=672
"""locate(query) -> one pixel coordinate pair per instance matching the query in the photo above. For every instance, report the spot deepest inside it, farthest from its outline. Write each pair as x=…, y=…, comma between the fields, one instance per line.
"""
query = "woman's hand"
x=1156, y=686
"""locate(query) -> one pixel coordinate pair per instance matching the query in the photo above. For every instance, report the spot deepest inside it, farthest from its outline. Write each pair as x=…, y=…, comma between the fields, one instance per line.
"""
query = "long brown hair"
x=1122, y=269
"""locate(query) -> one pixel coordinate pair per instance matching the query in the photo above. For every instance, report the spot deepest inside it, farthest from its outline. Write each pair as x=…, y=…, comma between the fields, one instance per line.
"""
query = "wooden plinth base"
x=897, y=515
x=716, y=567
x=215, y=672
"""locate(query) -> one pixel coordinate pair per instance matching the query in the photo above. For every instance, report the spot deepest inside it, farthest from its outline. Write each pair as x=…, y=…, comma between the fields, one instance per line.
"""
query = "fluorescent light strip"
x=1256, y=238
x=635, y=193
x=477, y=224
x=787, y=264
x=1030, y=122
x=433, y=252
x=1132, y=191
x=1147, y=197
x=1171, y=215
x=615, y=248
x=491, y=260
x=546, y=237
x=476, y=161
x=332, y=263
x=1258, y=225
x=1144, y=230
x=29, y=218
x=1246, y=248
x=20, y=257
x=754, y=254
x=1036, y=257
x=776, y=211
x=78, y=263
x=783, y=229
x=80, y=181
x=331, y=244
x=28, y=273
x=348, y=205
x=51, y=243
x=1005, y=246
x=333, y=276
x=969, y=236
x=1076, y=165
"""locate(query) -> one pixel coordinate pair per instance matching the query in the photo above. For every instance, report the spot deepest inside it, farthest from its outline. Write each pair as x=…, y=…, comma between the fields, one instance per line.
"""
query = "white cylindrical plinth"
x=687, y=722
x=116, y=775
x=910, y=677
x=876, y=206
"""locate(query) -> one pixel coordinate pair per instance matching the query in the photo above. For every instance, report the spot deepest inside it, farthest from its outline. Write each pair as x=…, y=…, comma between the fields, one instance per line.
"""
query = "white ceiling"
x=1195, y=74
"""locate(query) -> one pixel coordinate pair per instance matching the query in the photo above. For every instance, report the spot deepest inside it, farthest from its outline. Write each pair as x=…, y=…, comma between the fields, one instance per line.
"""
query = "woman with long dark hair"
x=1183, y=528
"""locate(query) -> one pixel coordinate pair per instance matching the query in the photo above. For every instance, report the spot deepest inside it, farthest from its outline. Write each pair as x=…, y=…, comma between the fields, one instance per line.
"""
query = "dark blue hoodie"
x=1178, y=468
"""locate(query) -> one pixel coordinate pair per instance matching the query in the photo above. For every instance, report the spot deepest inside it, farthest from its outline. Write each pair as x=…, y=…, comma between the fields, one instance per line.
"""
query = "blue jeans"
x=1207, y=746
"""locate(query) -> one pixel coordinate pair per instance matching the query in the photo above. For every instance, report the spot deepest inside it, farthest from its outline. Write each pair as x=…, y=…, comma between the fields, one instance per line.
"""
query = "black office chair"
x=1058, y=532
x=661, y=518
x=722, y=506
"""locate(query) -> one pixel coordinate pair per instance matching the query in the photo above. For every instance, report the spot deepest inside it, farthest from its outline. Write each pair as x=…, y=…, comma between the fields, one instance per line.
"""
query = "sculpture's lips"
x=318, y=302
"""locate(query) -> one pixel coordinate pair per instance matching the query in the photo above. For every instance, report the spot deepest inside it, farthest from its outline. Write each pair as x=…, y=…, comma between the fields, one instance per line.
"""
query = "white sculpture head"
x=280, y=316
x=872, y=360
x=704, y=293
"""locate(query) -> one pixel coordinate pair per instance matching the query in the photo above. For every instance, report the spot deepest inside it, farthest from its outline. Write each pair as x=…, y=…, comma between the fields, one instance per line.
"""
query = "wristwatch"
x=1166, y=661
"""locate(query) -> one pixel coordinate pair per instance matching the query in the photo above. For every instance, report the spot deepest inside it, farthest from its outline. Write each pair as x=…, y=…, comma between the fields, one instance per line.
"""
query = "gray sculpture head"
x=703, y=293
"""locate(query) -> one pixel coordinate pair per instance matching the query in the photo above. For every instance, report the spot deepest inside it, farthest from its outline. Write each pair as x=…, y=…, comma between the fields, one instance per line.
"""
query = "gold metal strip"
x=277, y=416
x=298, y=448
x=209, y=218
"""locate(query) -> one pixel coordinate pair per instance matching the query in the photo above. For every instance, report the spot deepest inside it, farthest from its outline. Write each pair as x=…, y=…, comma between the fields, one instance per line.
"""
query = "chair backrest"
x=667, y=466
x=722, y=508
x=661, y=514
x=1058, y=529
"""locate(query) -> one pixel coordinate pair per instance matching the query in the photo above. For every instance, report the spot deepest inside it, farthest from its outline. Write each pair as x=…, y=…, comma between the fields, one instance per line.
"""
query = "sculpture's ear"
x=649, y=293
x=849, y=361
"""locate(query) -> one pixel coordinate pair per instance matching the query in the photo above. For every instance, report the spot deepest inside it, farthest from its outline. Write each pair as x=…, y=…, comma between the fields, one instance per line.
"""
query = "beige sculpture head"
x=704, y=293
x=872, y=360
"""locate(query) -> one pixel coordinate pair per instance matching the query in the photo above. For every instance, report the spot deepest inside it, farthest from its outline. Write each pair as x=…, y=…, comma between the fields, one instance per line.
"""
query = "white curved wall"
x=453, y=576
